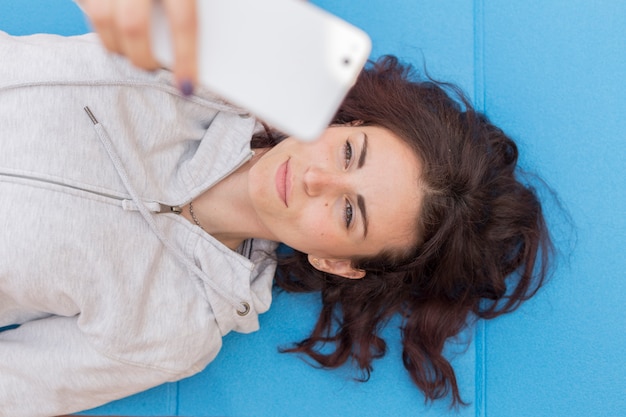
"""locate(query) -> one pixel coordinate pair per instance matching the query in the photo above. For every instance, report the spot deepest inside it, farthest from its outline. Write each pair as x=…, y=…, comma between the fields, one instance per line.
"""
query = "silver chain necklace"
x=193, y=216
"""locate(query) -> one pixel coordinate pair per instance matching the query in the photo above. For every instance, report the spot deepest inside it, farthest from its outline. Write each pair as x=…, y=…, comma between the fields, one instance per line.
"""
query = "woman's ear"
x=349, y=124
x=355, y=123
x=340, y=267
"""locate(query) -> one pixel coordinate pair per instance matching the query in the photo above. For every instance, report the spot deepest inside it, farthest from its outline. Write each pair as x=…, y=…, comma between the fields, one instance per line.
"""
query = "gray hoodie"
x=115, y=292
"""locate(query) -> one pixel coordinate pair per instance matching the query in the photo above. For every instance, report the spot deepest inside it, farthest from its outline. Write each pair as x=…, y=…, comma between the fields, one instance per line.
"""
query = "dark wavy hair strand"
x=482, y=244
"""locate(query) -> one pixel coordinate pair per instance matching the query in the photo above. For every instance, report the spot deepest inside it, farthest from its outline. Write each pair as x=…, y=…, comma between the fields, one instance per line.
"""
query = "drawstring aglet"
x=91, y=116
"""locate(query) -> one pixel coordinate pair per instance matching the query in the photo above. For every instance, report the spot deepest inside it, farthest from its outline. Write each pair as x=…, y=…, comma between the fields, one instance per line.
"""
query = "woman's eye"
x=347, y=154
x=348, y=214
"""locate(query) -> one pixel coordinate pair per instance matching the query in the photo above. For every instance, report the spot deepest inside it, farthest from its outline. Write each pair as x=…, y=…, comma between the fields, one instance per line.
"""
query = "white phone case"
x=288, y=62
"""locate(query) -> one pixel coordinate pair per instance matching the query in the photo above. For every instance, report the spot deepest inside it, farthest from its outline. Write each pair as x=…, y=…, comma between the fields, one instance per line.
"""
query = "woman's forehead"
x=393, y=194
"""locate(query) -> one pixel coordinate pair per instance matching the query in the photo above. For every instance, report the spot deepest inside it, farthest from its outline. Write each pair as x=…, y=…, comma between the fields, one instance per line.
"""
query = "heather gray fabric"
x=105, y=308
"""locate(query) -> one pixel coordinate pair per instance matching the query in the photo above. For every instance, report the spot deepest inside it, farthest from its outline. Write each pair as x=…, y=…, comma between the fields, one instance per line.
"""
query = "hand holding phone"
x=286, y=61
x=124, y=28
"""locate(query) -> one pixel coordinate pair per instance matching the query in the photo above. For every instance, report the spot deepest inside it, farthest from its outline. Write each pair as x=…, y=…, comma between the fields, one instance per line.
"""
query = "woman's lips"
x=282, y=182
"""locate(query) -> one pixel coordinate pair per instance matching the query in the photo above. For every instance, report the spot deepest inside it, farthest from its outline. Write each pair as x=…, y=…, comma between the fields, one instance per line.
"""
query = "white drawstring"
x=242, y=307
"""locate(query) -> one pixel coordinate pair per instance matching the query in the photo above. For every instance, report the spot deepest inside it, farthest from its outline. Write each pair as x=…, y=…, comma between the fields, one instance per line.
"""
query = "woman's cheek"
x=328, y=227
x=317, y=221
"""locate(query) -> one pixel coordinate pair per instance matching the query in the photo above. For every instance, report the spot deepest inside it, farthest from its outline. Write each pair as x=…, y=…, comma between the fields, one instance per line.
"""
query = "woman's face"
x=352, y=193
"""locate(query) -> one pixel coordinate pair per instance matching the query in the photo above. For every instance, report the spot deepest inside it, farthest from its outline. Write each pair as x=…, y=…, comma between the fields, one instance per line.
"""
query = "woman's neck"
x=225, y=210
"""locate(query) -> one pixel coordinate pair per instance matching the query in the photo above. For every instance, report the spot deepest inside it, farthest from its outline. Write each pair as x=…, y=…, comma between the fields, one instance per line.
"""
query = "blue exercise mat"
x=551, y=74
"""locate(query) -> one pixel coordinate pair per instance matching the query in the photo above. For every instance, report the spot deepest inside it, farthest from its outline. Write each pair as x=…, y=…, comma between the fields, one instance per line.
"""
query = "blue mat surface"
x=551, y=74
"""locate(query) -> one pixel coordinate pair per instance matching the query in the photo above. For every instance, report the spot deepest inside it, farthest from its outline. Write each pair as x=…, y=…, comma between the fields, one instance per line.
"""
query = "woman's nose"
x=317, y=181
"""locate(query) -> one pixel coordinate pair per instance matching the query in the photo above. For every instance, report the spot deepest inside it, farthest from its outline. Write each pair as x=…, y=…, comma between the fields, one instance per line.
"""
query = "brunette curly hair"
x=482, y=247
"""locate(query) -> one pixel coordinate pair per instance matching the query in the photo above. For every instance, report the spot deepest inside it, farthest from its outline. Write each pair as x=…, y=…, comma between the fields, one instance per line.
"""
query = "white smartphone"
x=288, y=62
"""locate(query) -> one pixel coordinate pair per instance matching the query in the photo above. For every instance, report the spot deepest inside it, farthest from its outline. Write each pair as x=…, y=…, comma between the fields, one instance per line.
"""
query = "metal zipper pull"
x=170, y=209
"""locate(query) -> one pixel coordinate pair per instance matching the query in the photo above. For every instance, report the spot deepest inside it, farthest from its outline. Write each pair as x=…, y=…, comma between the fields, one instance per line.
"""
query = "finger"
x=182, y=17
x=101, y=16
x=133, y=31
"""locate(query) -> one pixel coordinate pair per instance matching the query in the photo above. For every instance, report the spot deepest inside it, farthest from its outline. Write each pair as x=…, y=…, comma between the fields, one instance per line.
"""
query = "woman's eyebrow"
x=360, y=201
x=363, y=152
x=359, y=198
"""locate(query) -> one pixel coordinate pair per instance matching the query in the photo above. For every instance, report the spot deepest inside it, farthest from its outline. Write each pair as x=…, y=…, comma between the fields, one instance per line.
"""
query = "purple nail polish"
x=186, y=87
